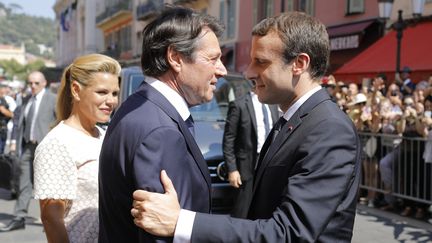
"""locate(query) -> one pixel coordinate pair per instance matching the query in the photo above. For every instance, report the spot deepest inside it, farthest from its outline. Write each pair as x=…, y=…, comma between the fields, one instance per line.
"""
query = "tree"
x=14, y=7
x=12, y=68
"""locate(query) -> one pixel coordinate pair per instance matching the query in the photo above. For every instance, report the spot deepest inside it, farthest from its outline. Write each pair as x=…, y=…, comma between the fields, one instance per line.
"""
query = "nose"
x=112, y=100
x=220, y=69
x=250, y=74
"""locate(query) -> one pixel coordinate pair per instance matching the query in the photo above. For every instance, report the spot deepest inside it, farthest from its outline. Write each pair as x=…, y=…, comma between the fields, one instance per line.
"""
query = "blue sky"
x=35, y=7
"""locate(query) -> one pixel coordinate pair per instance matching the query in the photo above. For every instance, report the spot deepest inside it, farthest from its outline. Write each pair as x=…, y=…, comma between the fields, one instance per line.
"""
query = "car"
x=209, y=126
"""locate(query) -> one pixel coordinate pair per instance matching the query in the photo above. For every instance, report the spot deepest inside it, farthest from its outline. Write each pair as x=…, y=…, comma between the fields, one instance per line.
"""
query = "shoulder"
x=55, y=143
x=58, y=134
x=328, y=113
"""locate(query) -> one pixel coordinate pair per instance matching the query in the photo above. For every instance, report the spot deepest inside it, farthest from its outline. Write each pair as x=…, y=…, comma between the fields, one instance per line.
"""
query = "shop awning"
x=348, y=29
x=416, y=49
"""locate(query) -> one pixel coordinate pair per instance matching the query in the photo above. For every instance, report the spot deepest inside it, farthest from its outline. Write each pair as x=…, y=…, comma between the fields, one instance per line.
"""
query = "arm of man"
x=228, y=144
x=6, y=112
x=323, y=185
x=52, y=215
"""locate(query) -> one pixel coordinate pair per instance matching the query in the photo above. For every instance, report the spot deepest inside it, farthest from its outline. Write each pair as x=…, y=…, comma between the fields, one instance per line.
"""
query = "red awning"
x=416, y=52
x=348, y=29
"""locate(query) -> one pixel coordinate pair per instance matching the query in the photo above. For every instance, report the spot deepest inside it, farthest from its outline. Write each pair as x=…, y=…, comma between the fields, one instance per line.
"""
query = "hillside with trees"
x=17, y=28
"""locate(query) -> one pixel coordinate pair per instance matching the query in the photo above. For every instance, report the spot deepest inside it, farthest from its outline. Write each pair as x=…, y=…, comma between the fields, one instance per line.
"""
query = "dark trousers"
x=243, y=199
x=2, y=145
x=25, y=180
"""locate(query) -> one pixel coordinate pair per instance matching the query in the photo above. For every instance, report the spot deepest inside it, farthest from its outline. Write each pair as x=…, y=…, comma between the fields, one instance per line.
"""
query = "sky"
x=42, y=8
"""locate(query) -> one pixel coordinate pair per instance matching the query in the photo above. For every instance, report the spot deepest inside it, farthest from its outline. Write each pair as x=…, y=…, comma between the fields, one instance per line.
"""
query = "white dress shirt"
x=172, y=96
x=38, y=101
x=259, y=116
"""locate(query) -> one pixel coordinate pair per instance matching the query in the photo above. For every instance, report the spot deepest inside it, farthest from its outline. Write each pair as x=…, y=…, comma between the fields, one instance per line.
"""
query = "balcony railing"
x=146, y=10
x=112, y=10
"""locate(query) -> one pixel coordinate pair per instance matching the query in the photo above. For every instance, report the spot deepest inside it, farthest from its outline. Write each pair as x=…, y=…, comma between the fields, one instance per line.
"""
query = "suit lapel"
x=286, y=131
x=251, y=110
x=158, y=99
x=42, y=108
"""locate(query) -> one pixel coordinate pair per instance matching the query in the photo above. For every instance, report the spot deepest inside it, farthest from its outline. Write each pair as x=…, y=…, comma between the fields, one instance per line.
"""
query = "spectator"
x=36, y=116
x=6, y=113
x=353, y=90
x=412, y=125
x=405, y=83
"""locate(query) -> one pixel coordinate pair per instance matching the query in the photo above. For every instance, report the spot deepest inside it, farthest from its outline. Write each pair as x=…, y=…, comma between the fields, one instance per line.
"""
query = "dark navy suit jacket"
x=145, y=136
x=305, y=186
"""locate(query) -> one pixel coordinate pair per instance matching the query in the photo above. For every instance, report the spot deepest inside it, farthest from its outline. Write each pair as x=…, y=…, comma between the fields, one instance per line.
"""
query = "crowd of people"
x=398, y=112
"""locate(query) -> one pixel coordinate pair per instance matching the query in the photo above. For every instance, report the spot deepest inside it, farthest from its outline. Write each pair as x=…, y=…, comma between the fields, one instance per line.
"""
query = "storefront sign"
x=345, y=42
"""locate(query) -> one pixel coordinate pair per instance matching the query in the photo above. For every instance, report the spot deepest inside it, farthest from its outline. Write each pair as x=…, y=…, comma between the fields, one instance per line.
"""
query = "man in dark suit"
x=247, y=126
x=153, y=130
x=307, y=177
x=37, y=115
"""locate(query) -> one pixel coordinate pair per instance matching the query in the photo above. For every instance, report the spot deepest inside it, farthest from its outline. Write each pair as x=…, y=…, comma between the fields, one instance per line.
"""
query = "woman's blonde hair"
x=81, y=70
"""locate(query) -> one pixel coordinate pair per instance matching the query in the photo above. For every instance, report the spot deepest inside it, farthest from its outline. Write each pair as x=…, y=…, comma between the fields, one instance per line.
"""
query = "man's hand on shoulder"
x=157, y=213
x=234, y=178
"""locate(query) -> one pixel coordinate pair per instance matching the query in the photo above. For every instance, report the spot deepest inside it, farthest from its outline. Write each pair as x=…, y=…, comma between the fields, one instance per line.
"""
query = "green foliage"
x=30, y=30
x=17, y=28
x=13, y=68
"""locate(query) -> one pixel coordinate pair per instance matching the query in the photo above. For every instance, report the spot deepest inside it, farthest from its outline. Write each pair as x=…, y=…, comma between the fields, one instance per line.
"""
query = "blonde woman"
x=66, y=161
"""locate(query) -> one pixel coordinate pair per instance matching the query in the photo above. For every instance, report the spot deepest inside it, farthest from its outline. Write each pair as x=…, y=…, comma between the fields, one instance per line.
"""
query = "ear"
x=301, y=64
x=75, y=90
x=174, y=59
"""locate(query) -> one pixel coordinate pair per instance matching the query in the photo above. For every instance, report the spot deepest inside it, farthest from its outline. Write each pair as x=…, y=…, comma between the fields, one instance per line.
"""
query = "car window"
x=226, y=91
x=134, y=82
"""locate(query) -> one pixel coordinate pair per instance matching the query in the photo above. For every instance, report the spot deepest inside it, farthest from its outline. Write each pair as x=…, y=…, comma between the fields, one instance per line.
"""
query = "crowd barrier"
x=397, y=166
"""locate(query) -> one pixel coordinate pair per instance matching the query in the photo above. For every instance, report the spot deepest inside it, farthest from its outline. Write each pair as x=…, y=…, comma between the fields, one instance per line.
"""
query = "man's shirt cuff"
x=183, y=231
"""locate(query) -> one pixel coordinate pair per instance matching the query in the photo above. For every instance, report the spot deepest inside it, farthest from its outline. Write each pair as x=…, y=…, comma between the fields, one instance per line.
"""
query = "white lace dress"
x=66, y=167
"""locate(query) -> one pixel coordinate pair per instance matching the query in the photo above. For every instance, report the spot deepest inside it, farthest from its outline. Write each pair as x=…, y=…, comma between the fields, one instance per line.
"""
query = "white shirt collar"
x=292, y=109
x=40, y=94
x=171, y=95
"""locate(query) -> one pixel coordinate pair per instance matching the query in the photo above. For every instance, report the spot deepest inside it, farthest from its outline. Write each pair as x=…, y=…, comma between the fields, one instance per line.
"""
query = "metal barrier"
x=395, y=165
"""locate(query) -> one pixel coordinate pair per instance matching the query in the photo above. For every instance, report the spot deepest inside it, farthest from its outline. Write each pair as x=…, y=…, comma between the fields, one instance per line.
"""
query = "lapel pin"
x=290, y=128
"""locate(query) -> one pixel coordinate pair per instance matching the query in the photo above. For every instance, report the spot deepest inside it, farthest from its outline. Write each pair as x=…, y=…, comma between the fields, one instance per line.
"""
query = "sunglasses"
x=33, y=83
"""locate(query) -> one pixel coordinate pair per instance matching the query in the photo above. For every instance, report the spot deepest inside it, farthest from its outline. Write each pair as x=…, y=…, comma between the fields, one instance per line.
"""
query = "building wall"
x=334, y=12
x=79, y=35
x=8, y=52
x=243, y=45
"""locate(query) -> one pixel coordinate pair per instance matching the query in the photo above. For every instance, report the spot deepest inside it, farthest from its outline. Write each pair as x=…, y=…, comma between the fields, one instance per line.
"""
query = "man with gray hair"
x=36, y=117
x=153, y=130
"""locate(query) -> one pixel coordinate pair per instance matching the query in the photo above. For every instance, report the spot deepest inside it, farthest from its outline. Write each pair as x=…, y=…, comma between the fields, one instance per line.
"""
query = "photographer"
x=5, y=115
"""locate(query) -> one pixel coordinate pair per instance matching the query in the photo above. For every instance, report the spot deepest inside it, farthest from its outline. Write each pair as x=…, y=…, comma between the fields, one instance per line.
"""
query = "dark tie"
x=277, y=128
x=29, y=119
x=190, y=124
x=266, y=120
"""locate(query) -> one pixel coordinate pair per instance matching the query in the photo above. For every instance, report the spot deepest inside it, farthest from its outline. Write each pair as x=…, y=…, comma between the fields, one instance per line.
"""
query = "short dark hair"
x=177, y=27
x=382, y=75
x=300, y=33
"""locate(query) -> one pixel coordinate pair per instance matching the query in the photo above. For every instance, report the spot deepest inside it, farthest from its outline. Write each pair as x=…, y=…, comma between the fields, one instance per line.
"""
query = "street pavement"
x=371, y=225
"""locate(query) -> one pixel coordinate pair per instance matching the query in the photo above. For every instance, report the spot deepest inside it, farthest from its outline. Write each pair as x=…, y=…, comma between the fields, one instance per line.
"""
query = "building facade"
x=76, y=29
x=114, y=27
x=8, y=52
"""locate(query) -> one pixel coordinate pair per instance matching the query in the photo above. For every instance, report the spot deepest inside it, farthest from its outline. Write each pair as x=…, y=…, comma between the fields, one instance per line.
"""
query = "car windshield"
x=217, y=108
